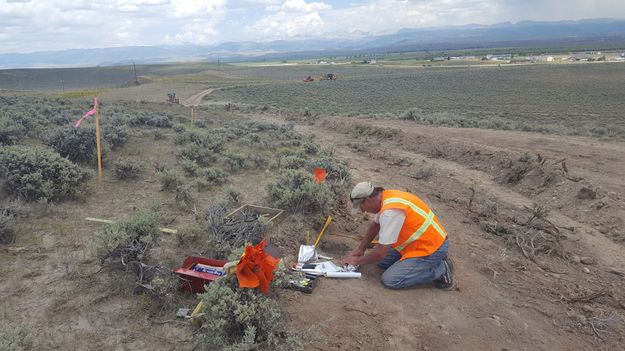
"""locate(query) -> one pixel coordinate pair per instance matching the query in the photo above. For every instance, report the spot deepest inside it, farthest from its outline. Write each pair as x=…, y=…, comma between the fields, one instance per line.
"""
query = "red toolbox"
x=193, y=280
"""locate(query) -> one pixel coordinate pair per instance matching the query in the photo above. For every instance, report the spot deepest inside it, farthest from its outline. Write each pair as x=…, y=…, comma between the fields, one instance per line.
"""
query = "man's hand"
x=353, y=260
x=356, y=253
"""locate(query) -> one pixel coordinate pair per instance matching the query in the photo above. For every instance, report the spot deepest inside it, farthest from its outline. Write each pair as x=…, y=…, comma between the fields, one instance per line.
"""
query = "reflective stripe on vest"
x=428, y=217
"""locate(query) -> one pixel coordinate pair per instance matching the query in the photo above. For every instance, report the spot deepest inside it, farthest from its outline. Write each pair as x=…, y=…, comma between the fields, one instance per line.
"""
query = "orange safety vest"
x=421, y=233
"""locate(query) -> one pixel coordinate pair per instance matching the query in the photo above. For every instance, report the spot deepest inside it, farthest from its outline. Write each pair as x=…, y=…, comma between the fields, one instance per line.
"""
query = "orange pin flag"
x=320, y=175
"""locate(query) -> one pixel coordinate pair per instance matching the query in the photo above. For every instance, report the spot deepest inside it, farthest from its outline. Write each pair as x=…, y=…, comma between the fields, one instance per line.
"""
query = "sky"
x=48, y=25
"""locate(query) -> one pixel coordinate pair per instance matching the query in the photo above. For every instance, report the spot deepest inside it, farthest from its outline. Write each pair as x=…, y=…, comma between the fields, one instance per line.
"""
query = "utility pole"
x=135, y=68
x=63, y=85
x=218, y=66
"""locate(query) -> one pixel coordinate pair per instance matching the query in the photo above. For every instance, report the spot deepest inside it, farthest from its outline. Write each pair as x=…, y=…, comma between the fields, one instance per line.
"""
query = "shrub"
x=259, y=160
x=296, y=191
x=158, y=135
x=127, y=240
x=365, y=130
x=77, y=144
x=201, y=155
x=179, y=128
x=170, y=180
x=127, y=169
x=234, y=193
x=115, y=136
x=310, y=148
x=234, y=161
x=201, y=123
x=17, y=338
x=10, y=132
x=7, y=226
x=34, y=173
x=338, y=177
x=159, y=166
x=526, y=157
x=152, y=119
x=188, y=232
x=247, y=319
x=189, y=167
x=292, y=162
x=236, y=318
x=212, y=176
x=183, y=196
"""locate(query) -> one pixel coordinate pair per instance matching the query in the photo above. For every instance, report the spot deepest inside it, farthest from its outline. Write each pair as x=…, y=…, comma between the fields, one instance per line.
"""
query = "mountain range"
x=606, y=33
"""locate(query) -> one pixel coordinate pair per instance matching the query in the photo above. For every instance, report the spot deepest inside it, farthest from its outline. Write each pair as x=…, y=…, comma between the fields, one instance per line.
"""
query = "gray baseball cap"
x=360, y=192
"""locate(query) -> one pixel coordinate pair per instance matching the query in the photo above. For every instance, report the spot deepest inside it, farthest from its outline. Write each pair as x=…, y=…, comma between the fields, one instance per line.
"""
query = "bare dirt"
x=554, y=284
x=483, y=195
x=196, y=99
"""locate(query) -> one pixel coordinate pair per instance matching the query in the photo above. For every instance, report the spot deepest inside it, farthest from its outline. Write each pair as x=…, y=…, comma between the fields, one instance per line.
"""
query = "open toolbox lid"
x=193, y=280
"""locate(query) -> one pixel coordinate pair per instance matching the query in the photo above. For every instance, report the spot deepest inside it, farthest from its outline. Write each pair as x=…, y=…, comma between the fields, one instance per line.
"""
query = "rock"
x=588, y=309
x=586, y=270
x=587, y=260
x=575, y=259
x=586, y=194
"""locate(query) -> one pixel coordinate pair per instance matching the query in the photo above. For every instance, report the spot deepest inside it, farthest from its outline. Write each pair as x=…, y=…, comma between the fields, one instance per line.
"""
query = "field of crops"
x=566, y=99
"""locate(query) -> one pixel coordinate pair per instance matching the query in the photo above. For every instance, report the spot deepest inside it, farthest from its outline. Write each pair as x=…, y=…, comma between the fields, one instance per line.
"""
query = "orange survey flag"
x=255, y=268
x=320, y=175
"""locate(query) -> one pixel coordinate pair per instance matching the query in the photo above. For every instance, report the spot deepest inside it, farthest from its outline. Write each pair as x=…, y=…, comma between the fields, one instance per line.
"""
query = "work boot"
x=446, y=281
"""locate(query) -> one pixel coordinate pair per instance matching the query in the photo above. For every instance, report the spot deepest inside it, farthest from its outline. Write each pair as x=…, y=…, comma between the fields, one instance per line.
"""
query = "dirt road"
x=196, y=99
x=517, y=286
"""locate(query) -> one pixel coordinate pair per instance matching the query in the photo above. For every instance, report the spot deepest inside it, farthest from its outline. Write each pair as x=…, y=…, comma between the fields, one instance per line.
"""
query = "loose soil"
x=554, y=284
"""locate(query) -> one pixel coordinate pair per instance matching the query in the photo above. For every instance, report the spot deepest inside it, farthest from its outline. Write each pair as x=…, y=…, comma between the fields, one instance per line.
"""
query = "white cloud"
x=36, y=25
x=197, y=8
x=291, y=18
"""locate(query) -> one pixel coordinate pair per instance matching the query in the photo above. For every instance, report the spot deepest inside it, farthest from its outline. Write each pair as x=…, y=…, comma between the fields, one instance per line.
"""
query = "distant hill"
x=523, y=34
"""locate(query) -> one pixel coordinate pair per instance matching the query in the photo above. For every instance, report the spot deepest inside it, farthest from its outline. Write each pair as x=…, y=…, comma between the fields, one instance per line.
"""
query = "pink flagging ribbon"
x=95, y=106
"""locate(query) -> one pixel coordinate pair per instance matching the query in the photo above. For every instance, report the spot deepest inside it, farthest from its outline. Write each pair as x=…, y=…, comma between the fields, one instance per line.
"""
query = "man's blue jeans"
x=413, y=270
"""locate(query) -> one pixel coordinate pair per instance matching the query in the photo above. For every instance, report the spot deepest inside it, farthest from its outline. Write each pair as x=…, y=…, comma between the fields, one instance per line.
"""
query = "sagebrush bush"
x=258, y=160
x=212, y=176
x=183, y=195
x=10, y=132
x=296, y=191
x=126, y=168
x=189, y=167
x=34, y=173
x=16, y=338
x=197, y=153
x=129, y=240
x=339, y=176
x=233, y=192
x=115, y=136
x=292, y=162
x=159, y=166
x=151, y=119
x=8, y=223
x=247, y=319
x=170, y=180
x=234, y=161
x=237, y=318
x=77, y=144
x=179, y=128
